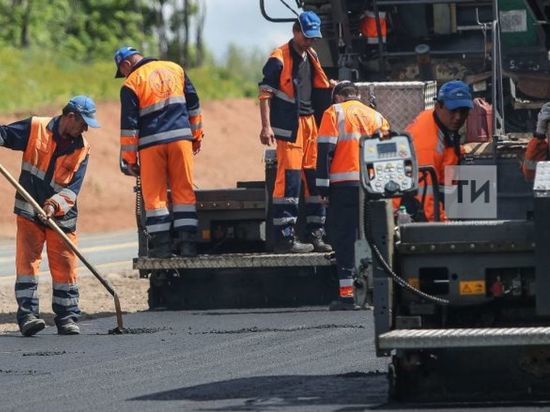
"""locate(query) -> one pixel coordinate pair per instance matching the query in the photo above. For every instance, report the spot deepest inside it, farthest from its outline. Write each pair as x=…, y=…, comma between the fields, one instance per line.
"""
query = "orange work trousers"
x=164, y=166
x=31, y=237
x=296, y=163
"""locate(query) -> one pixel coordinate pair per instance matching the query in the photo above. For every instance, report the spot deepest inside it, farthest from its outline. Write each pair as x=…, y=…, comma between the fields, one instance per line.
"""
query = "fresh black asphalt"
x=306, y=359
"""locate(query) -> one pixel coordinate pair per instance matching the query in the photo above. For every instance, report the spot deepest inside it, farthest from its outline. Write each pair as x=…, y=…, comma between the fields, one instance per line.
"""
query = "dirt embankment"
x=230, y=152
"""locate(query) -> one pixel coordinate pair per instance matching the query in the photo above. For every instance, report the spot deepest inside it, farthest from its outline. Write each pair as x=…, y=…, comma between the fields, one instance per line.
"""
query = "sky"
x=241, y=22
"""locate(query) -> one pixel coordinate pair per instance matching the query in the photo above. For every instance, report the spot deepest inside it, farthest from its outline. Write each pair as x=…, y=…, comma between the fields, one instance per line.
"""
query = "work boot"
x=188, y=244
x=31, y=325
x=342, y=304
x=160, y=245
x=315, y=237
x=291, y=245
x=68, y=328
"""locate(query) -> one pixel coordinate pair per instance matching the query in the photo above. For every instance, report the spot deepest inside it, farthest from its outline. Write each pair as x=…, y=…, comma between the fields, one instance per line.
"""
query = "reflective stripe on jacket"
x=51, y=175
x=280, y=84
x=338, y=143
x=159, y=105
x=536, y=151
x=429, y=145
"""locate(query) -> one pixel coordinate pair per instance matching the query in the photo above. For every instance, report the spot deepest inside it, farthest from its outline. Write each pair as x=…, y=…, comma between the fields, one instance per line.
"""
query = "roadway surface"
x=304, y=359
x=107, y=251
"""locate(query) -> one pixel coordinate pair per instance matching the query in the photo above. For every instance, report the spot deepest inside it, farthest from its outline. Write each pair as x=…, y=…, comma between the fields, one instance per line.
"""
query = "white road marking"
x=125, y=264
x=92, y=249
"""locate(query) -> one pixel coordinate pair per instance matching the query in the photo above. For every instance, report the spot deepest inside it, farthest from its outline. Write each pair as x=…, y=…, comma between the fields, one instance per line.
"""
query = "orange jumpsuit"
x=431, y=149
x=338, y=168
x=160, y=119
x=367, y=25
x=52, y=172
x=295, y=129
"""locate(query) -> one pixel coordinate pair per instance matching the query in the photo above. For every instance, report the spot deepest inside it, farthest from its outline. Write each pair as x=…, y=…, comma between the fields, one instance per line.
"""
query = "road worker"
x=342, y=126
x=437, y=143
x=293, y=93
x=369, y=29
x=161, y=130
x=55, y=157
x=537, y=148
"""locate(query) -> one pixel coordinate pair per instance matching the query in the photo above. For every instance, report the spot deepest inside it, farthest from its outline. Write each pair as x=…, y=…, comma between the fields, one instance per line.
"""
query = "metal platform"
x=464, y=338
x=236, y=261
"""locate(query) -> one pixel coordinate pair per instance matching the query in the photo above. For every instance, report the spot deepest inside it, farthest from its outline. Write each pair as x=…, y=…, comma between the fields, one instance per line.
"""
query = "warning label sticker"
x=472, y=287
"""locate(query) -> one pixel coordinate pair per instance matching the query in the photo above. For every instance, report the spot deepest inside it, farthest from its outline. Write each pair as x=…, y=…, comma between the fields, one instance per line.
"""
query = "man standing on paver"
x=294, y=93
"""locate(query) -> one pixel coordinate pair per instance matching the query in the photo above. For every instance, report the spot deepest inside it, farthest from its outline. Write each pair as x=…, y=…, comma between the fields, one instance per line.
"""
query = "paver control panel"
x=388, y=166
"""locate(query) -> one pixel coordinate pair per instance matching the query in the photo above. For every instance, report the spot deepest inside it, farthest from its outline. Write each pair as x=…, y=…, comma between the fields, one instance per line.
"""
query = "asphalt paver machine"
x=461, y=306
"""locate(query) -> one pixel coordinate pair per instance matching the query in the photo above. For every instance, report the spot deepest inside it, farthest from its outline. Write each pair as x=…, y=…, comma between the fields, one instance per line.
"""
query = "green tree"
x=183, y=31
x=81, y=29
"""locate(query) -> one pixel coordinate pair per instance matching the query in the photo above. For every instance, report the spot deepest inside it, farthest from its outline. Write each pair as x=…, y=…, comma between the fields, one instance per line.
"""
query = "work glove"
x=49, y=211
x=385, y=135
x=542, y=121
x=129, y=169
x=134, y=170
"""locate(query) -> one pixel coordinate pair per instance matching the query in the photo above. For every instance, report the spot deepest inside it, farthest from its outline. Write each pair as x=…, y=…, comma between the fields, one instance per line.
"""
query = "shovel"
x=53, y=225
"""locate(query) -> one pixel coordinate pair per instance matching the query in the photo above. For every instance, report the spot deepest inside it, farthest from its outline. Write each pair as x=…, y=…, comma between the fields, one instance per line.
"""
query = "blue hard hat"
x=310, y=24
x=85, y=107
x=455, y=94
x=122, y=54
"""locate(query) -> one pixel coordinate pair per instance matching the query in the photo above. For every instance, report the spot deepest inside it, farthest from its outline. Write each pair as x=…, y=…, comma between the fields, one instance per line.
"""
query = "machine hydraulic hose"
x=387, y=268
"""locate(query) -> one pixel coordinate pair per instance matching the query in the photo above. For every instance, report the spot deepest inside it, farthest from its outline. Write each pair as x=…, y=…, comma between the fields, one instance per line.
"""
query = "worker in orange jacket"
x=293, y=93
x=55, y=157
x=338, y=167
x=161, y=130
x=437, y=143
x=537, y=148
x=369, y=29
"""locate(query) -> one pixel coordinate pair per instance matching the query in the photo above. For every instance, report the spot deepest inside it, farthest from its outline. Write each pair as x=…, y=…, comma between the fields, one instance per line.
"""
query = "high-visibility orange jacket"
x=430, y=148
x=369, y=29
x=537, y=150
x=53, y=168
x=341, y=128
x=279, y=84
x=159, y=105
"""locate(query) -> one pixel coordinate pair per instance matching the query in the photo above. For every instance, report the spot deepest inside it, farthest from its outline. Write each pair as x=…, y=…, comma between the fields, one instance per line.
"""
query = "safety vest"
x=430, y=149
x=284, y=99
x=342, y=126
x=536, y=151
x=369, y=29
x=163, y=113
x=36, y=180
